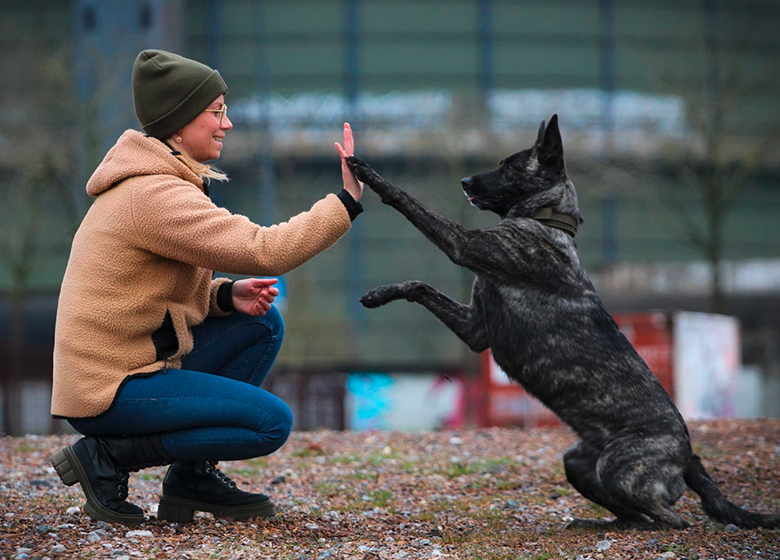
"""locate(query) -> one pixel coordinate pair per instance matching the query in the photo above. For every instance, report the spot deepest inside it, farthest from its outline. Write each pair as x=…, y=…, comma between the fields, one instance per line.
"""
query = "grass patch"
x=258, y=463
x=242, y=471
x=150, y=477
x=363, y=474
x=332, y=489
x=27, y=447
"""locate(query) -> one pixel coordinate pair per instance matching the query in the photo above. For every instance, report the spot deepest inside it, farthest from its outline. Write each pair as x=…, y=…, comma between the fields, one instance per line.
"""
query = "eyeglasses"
x=221, y=112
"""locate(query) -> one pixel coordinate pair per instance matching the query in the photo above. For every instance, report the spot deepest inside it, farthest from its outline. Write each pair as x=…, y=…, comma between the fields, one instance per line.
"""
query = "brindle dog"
x=534, y=306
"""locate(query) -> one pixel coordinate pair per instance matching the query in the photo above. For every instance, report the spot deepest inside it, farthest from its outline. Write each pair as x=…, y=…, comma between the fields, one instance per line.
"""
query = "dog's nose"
x=466, y=182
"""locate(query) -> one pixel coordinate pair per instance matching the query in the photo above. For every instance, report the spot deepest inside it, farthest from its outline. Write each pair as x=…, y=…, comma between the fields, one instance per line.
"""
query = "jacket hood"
x=136, y=155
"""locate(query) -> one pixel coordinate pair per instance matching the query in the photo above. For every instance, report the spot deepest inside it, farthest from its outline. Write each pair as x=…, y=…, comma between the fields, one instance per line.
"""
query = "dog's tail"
x=717, y=506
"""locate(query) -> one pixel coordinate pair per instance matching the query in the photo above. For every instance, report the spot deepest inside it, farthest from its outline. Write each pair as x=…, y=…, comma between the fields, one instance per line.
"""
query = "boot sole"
x=179, y=510
x=70, y=472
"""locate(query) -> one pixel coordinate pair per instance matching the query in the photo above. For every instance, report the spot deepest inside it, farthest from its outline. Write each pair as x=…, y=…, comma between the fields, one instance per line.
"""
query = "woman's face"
x=202, y=138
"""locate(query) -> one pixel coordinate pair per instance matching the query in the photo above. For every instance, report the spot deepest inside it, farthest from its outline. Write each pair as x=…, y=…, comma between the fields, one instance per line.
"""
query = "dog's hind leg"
x=580, y=463
x=645, y=473
x=464, y=320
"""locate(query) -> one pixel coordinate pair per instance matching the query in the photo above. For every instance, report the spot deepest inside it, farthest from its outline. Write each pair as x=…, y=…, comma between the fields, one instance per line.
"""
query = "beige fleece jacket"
x=149, y=245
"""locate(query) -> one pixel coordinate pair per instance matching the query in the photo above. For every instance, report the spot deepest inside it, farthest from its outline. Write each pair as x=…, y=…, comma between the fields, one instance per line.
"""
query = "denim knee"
x=274, y=320
x=283, y=421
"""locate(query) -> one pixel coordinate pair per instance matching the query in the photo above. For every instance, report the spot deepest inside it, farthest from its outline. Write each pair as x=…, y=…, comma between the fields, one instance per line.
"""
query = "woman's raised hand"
x=351, y=184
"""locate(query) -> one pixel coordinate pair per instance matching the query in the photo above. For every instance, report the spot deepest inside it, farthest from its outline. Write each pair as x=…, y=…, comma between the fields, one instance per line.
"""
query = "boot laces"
x=219, y=475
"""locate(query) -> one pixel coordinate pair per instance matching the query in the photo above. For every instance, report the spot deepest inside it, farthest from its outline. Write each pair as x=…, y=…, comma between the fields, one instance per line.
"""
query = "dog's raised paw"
x=359, y=167
x=380, y=296
x=363, y=171
x=371, y=300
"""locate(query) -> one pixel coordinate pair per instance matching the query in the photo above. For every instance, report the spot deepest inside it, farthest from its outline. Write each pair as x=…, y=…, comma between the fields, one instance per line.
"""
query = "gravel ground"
x=470, y=494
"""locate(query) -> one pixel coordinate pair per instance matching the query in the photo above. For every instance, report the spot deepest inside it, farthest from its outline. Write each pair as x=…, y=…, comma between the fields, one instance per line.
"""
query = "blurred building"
x=668, y=110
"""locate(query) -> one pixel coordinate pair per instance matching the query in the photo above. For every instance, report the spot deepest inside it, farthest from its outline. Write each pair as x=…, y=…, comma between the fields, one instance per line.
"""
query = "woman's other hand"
x=351, y=184
x=254, y=296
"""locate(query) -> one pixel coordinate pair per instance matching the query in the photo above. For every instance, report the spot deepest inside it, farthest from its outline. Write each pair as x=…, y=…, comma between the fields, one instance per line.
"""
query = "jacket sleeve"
x=176, y=220
x=215, y=309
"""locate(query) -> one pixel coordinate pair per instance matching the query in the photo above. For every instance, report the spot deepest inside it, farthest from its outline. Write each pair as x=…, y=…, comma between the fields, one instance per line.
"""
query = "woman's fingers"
x=349, y=140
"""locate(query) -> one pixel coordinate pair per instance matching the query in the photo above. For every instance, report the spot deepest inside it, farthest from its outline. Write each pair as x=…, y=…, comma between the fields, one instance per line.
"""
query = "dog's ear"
x=540, y=136
x=550, y=148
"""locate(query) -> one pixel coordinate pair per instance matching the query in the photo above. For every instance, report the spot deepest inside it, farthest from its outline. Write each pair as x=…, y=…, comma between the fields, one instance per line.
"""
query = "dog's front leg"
x=464, y=320
x=450, y=237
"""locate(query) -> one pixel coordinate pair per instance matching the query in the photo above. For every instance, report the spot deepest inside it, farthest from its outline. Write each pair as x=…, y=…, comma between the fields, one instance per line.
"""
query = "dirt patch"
x=470, y=494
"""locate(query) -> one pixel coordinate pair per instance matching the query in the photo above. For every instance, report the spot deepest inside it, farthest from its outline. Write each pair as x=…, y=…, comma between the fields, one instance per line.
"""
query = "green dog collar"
x=557, y=220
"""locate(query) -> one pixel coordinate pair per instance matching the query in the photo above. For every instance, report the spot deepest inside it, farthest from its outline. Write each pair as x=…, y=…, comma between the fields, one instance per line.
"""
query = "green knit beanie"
x=169, y=91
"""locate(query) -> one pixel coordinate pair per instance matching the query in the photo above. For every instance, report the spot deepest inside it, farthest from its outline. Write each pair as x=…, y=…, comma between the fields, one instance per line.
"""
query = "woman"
x=155, y=361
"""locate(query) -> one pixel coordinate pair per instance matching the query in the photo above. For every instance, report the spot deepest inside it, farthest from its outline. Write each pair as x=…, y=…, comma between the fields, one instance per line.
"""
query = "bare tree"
x=714, y=163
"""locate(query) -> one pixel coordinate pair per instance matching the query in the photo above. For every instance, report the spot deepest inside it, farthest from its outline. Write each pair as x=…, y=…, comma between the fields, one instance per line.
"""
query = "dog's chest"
x=512, y=311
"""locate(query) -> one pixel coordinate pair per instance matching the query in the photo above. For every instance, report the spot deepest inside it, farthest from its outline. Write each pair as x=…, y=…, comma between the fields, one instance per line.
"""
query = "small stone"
x=279, y=479
x=730, y=528
x=401, y=555
x=41, y=528
x=363, y=548
x=601, y=546
x=667, y=555
x=322, y=554
x=144, y=534
x=94, y=537
x=455, y=441
x=73, y=511
x=312, y=526
x=58, y=549
x=511, y=504
x=555, y=496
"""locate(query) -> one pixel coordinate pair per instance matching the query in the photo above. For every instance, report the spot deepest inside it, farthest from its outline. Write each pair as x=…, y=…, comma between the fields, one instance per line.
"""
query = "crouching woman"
x=157, y=362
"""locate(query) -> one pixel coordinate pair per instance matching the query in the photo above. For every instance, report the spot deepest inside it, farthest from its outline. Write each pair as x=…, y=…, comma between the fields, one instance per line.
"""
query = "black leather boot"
x=199, y=486
x=102, y=466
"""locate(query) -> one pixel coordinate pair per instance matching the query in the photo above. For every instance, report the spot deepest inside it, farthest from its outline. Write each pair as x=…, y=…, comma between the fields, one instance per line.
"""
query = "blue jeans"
x=213, y=408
